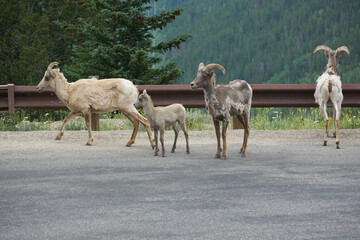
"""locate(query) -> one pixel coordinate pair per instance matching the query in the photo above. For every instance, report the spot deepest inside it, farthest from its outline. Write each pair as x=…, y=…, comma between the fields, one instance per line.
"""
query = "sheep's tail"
x=330, y=86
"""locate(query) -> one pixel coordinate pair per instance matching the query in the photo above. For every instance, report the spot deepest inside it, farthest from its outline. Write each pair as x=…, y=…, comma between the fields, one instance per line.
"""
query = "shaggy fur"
x=328, y=88
x=222, y=102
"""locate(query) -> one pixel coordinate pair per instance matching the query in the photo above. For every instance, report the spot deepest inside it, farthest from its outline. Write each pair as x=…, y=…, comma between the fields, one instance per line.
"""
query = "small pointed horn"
x=51, y=65
x=343, y=49
x=212, y=66
x=201, y=66
x=321, y=47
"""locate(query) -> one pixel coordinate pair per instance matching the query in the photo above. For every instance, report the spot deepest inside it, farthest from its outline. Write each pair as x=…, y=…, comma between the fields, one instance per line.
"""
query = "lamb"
x=233, y=99
x=161, y=117
x=328, y=87
x=87, y=96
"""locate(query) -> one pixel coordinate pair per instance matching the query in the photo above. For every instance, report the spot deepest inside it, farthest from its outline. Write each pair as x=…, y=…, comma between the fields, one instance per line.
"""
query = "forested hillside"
x=265, y=41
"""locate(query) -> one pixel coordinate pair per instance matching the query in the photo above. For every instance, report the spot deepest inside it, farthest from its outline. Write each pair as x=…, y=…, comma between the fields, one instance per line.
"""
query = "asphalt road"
x=288, y=187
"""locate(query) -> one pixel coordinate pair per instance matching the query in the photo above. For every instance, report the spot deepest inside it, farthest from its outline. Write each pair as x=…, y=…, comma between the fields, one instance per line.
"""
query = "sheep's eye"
x=47, y=78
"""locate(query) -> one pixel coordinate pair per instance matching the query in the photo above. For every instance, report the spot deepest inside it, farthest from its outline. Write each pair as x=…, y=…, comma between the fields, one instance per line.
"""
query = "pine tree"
x=118, y=42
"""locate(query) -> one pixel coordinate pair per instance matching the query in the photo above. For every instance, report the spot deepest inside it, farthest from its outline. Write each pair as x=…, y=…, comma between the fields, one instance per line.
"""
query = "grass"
x=197, y=119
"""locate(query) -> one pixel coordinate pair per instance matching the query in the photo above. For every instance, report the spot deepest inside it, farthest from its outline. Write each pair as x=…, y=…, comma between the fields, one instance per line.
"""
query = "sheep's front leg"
x=183, y=127
x=67, y=118
x=156, y=135
x=88, y=125
x=217, y=131
x=176, y=131
x=224, y=128
x=162, y=130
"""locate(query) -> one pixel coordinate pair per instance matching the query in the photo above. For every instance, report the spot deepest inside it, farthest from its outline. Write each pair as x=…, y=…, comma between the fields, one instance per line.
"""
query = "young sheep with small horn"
x=87, y=96
x=233, y=99
x=328, y=88
x=161, y=117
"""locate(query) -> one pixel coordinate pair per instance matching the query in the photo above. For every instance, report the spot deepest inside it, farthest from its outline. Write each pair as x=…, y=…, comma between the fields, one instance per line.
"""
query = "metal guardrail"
x=264, y=95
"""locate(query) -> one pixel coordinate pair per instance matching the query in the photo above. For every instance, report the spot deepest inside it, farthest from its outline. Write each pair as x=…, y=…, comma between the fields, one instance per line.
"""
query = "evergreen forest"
x=163, y=41
x=265, y=41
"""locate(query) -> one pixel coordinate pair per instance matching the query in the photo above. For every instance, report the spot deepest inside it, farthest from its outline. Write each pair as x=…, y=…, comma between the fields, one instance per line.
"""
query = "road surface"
x=288, y=187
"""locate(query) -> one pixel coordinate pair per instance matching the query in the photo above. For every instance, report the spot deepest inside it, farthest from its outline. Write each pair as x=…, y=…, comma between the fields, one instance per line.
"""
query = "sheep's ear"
x=144, y=92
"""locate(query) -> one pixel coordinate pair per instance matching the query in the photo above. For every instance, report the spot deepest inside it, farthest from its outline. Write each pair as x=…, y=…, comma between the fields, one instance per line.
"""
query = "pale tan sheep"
x=87, y=96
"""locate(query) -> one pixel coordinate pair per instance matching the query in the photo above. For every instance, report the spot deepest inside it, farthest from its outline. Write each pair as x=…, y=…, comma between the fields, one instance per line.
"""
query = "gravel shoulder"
x=114, y=139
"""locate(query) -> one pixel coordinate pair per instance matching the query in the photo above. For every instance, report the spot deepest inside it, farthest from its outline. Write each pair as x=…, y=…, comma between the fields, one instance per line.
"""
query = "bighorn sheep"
x=161, y=117
x=233, y=99
x=328, y=87
x=87, y=96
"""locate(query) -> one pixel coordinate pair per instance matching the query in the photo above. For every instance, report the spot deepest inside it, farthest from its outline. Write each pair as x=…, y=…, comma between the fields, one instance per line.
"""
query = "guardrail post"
x=11, y=98
x=95, y=122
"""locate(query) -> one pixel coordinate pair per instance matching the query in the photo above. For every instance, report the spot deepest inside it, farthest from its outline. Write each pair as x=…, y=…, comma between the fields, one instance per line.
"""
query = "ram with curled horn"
x=224, y=101
x=328, y=88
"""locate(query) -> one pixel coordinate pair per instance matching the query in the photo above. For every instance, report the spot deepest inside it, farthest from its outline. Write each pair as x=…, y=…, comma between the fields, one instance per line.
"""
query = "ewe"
x=87, y=96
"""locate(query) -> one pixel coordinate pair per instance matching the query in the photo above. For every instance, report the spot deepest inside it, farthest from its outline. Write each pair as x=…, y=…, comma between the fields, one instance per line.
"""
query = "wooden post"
x=235, y=123
x=95, y=122
x=95, y=119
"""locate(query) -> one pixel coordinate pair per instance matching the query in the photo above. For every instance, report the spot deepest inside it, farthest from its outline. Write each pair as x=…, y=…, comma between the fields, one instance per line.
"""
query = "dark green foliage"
x=118, y=42
x=87, y=37
x=265, y=41
x=29, y=40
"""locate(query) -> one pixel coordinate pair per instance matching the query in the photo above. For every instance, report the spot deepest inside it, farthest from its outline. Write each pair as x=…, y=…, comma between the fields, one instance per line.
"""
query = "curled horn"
x=51, y=65
x=212, y=66
x=322, y=47
x=342, y=48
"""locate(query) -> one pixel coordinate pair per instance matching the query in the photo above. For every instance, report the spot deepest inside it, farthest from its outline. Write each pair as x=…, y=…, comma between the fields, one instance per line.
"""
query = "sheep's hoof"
x=224, y=157
x=88, y=144
x=217, y=156
x=188, y=152
x=334, y=135
x=243, y=155
x=172, y=150
x=163, y=155
x=325, y=143
x=338, y=145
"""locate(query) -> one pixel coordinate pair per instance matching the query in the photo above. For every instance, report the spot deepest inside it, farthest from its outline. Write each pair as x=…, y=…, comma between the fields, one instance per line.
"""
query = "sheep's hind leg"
x=135, y=130
x=176, y=131
x=87, y=117
x=136, y=115
x=323, y=109
x=337, y=108
x=334, y=122
x=245, y=121
x=67, y=118
x=217, y=131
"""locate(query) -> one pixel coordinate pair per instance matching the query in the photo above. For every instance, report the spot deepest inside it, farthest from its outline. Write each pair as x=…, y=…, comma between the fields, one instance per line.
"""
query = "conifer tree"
x=117, y=42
